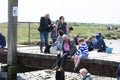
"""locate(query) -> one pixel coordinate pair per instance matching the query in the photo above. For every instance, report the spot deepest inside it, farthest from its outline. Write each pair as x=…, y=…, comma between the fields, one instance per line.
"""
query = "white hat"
x=83, y=70
x=65, y=36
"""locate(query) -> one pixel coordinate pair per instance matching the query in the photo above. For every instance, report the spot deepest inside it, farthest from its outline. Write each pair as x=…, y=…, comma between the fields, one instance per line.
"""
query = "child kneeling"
x=81, y=53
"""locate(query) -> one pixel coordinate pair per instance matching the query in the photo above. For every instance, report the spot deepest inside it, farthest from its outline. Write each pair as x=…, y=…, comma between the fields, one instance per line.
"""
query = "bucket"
x=109, y=50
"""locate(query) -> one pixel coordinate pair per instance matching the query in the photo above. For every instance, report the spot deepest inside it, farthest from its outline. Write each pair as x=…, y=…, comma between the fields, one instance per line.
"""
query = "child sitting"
x=81, y=53
x=76, y=39
x=89, y=43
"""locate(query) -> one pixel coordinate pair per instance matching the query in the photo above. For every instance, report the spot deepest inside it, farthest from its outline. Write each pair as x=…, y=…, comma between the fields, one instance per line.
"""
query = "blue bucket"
x=109, y=50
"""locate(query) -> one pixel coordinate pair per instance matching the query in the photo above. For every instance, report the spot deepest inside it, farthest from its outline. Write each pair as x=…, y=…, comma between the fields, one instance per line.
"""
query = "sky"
x=84, y=11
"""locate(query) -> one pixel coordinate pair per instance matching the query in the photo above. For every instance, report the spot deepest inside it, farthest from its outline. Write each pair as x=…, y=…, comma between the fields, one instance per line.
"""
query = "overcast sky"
x=90, y=11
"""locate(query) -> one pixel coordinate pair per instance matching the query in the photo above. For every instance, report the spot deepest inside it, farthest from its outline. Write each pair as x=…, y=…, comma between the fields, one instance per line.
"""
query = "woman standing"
x=62, y=25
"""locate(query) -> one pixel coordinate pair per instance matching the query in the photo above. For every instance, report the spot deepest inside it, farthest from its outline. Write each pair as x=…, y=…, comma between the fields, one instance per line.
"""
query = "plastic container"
x=109, y=50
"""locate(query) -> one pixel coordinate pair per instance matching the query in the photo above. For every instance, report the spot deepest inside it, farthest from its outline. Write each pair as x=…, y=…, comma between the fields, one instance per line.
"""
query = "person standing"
x=44, y=27
x=62, y=25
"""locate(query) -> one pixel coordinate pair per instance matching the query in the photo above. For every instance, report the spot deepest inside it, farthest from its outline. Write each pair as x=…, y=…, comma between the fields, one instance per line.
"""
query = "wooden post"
x=60, y=75
x=12, y=39
x=29, y=33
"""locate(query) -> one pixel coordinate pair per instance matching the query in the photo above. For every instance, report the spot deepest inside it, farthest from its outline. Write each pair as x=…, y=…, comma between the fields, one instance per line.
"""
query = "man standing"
x=45, y=23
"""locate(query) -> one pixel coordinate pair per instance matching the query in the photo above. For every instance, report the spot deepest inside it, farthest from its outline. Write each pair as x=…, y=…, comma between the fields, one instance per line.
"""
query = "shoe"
x=41, y=51
x=56, y=68
x=61, y=69
x=76, y=70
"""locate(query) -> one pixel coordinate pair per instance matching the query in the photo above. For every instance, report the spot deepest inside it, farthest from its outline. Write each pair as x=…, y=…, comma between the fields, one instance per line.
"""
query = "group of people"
x=47, y=26
x=66, y=48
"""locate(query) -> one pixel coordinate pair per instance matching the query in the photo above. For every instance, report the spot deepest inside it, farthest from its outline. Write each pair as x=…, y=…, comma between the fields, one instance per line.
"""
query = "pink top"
x=66, y=46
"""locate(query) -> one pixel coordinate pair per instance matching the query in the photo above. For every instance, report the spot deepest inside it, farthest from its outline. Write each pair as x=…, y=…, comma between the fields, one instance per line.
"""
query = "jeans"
x=43, y=39
x=62, y=60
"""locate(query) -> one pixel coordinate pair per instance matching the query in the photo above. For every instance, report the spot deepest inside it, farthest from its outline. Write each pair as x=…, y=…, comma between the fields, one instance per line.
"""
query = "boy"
x=81, y=53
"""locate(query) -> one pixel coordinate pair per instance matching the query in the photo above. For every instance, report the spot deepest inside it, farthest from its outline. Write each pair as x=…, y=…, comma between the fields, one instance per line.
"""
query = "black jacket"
x=118, y=73
x=44, y=24
x=2, y=41
x=62, y=27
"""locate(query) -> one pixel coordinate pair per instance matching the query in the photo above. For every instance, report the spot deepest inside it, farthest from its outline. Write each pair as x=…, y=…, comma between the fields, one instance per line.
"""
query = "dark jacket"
x=98, y=43
x=90, y=45
x=87, y=78
x=2, y=41
x=73, y=48
x=62, y=27
x=118, y=73
x=44, y=24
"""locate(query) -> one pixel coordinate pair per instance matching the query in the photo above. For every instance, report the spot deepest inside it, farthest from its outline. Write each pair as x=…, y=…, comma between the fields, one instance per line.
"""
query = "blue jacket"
x=53, y=34
x=87, y=77
x=98, y=43
x=2, y=41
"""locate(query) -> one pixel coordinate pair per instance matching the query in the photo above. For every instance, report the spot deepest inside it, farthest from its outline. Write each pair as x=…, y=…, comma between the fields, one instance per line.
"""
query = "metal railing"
x=33, y=34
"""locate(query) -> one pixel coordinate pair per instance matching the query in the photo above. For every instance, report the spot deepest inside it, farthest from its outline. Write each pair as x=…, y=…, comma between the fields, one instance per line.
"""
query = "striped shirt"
x=83, y=49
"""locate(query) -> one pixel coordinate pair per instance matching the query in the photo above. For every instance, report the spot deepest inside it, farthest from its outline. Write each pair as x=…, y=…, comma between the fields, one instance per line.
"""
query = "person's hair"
x=83, y=70
x=47, y=14
x=81, y=40
x=57, y=21
x=89, y=38
x=71, y=28
x=61, y=32
x=65, y=37
x=60, y=17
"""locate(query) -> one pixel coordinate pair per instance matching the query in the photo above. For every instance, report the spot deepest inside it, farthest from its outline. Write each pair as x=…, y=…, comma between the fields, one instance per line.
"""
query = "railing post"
x=29, y=33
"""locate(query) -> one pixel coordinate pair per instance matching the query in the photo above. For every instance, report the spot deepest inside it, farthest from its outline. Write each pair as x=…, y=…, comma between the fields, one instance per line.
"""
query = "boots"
x=41, y=47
